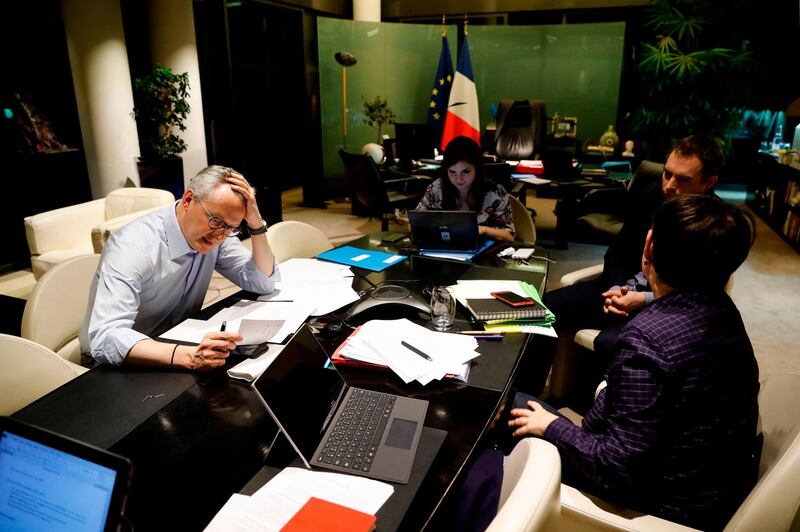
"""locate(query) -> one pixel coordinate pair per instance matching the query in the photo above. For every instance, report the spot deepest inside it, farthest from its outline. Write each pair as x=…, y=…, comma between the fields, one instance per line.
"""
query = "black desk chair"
x=520, y=129
x=601, y=211
x=378, y=195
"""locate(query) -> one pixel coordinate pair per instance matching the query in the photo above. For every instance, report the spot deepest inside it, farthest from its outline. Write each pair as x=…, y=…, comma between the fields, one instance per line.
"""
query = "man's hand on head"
x=239, y=184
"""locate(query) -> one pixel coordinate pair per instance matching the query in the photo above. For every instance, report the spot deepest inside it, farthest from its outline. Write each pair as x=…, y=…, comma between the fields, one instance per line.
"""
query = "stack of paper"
x=474, y=289
x=272, y=506
x=325, y=286
x=274, y=322
x=403, y=346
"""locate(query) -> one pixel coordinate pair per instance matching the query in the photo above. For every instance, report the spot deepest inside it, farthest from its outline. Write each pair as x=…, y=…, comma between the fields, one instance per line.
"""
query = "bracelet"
x=172, y=358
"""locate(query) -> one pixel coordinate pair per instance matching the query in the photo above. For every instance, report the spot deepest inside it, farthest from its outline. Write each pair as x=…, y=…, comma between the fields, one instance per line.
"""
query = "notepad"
x=492, y=309
x=319, y=515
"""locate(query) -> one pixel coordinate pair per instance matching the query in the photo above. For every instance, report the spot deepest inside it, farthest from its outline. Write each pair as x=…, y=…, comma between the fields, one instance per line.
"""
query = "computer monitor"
x=413, y=142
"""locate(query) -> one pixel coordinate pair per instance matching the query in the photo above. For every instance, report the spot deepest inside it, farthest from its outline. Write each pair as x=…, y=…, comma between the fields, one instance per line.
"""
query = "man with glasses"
x=155, y=271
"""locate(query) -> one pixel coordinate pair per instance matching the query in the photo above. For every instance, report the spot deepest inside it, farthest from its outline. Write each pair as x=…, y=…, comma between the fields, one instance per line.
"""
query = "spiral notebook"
x=490, y=309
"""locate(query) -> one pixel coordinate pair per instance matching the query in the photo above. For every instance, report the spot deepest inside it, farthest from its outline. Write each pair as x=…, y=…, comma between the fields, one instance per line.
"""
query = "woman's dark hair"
x=467, y=150
x=708, y=149
x=699, y=241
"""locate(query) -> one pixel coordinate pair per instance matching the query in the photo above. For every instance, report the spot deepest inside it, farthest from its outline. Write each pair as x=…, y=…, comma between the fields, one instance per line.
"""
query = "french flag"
x=462, y=108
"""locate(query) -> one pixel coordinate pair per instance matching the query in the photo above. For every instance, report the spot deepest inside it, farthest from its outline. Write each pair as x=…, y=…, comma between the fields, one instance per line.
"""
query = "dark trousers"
x=579, y=306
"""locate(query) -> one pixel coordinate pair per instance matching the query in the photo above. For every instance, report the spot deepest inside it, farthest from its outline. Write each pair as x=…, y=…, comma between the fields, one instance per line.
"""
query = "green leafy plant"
x=377, y=112
x=689, y=73
x=161, y=106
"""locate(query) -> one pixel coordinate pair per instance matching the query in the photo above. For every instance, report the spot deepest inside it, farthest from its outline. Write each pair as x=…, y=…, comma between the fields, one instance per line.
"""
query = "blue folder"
x=375, y=261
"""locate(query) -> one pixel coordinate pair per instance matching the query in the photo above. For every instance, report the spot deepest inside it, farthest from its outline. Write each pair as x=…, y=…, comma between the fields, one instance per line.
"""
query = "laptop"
x=54, y=483
x=444, y=230
x=335, y=426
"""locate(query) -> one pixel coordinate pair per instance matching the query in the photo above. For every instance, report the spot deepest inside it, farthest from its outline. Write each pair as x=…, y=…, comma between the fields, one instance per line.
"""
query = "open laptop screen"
x=444, y=230
x=303, y=390
x=52, y=483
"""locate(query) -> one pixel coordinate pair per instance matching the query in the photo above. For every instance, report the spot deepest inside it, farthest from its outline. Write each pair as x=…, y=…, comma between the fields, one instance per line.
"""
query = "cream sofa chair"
x=292, y=239
x=57, y=305
x=530, y=493
x=773, y=502
x=29, y=371
x=82, y=229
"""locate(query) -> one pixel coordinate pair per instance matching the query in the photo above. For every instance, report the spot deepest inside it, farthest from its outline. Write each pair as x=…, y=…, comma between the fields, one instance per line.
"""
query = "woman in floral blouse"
x=462, y=188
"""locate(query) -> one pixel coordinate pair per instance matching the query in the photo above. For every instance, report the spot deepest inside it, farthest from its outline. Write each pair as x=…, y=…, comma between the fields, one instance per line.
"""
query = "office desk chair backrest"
x=29, y=371
x=523, y=221
x=292, y=239
x=368, y=187
x=531, y=490
x=647, y=173
x=57, y=305
x=520, y=129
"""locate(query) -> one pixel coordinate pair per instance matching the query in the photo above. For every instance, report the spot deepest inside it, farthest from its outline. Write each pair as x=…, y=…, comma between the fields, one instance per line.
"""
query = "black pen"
x=416, y=351
x=224, y=324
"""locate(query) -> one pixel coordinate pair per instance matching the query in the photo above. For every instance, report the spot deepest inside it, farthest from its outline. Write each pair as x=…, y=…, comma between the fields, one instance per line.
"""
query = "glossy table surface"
x=195, y=439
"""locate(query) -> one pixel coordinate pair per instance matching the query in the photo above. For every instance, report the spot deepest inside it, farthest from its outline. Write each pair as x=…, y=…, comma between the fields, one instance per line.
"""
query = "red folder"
x=318, y=515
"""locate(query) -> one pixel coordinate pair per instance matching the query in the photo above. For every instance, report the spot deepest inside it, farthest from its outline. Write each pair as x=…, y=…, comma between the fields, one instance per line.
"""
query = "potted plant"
x=161, y=107
x=377, y=112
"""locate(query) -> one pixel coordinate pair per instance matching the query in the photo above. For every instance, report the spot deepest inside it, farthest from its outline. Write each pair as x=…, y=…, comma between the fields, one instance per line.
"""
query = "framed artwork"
x=564, y=126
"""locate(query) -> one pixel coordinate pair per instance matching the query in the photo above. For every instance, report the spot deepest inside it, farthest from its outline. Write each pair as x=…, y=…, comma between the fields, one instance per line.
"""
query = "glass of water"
x=443, y=308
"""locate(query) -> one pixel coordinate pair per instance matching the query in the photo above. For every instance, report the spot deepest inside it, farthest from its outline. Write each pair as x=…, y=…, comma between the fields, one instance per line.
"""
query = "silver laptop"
x=334, y=426
x=444, y=230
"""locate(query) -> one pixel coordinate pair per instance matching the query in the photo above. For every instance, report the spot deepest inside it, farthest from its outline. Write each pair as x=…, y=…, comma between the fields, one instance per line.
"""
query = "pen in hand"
x=224, y=325
x=416, y=351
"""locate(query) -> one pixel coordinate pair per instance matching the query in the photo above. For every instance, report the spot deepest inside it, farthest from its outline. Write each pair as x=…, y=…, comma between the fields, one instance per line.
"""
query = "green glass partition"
x=395, y=61
x=576, y=69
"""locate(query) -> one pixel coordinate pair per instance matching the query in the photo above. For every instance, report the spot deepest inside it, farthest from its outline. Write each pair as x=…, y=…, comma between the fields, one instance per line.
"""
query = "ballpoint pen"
x=416, y=351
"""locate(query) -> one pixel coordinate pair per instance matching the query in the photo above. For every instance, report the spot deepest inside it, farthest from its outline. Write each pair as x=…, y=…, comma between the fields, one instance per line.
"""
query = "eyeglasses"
x=218, y=224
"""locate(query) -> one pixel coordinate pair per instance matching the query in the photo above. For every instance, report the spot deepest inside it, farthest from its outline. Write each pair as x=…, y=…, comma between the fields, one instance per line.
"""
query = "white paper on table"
x=379, y=342
x=529, y=178
x=283, y=496
x=293, y=314
x=227, y=518
x=252, y=368
x=325, y=286
x=256, y=332
x=543, y=331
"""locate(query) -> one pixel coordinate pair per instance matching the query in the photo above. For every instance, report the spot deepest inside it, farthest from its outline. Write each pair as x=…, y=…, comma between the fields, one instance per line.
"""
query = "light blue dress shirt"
x=150, y=279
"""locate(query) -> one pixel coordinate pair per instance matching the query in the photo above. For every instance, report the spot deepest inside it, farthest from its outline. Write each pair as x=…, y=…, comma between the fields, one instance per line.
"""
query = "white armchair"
x=773, y=502
x=82, y=229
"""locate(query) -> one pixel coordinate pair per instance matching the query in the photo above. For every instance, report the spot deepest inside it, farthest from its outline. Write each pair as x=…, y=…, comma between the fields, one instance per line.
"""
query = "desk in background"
x=195, y=439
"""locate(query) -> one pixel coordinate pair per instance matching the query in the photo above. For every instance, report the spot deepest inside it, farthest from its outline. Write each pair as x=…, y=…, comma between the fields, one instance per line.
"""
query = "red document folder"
x=318, y=515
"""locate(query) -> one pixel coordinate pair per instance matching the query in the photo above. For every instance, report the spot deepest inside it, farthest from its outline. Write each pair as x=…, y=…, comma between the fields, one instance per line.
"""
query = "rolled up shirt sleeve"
x=110, y=334
x=235, y=263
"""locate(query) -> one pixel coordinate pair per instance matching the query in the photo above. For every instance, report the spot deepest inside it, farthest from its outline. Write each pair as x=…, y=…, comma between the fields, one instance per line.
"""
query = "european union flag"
x=440, y=94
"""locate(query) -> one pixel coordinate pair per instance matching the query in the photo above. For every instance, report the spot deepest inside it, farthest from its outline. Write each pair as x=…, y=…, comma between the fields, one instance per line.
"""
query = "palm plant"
x=689, y=73
x=162, y=106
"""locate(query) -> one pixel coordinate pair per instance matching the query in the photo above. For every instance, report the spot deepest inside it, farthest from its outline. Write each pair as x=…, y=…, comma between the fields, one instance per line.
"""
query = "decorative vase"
x=609, y=138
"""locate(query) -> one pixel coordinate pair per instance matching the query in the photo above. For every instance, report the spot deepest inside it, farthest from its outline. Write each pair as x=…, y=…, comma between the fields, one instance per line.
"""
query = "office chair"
x=601, y=210
x=531, y=490
x=29, y=371
x=520, y=129
x=292, y=239
x=57, y=305
x=523, y=221
x=773, y=502
x=376, y=194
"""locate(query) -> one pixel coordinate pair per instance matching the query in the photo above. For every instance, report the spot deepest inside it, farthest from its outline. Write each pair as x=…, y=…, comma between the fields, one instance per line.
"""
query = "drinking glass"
x=443, y=308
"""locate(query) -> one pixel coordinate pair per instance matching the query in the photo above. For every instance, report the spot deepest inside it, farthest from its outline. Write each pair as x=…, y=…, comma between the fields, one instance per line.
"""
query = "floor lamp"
x=345, y=59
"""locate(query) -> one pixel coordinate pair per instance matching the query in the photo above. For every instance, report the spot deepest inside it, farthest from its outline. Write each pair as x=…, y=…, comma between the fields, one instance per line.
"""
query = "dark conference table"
x=196, y=438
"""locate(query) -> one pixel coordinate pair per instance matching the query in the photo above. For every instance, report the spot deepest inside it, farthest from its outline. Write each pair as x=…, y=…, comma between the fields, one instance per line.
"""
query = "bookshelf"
x=775, y=197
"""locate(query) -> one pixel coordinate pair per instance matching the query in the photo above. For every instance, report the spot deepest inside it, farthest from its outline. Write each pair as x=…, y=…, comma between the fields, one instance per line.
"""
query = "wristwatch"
x=260, y=231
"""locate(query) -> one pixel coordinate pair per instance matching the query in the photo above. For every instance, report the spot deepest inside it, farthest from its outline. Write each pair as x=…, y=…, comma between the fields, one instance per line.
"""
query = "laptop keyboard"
x=355, y=437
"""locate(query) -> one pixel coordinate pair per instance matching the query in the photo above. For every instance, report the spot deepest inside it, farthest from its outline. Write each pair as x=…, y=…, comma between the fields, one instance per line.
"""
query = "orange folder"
x=318, y=515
